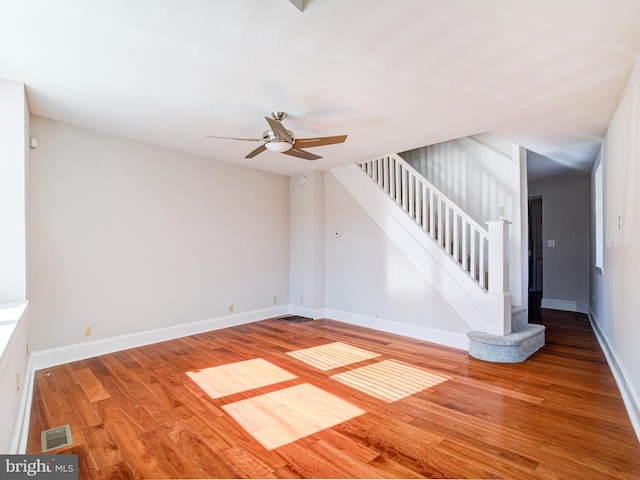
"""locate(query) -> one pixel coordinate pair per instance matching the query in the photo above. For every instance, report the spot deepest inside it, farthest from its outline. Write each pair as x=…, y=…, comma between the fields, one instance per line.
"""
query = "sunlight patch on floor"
x=239, y=377
x=332, y=355
x=389, y=380
x=284, y=416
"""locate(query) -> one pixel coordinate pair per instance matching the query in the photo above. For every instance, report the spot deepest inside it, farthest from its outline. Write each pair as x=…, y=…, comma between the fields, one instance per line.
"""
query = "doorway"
x=535, y=252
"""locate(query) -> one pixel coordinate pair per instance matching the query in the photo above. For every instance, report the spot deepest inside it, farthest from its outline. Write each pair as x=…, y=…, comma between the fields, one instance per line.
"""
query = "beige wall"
x=615, y=292
x=565, y=221
x=131, y=237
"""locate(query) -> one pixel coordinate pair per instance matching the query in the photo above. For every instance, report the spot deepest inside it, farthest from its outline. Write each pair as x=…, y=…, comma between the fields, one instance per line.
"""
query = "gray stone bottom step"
x=519, y=318
x=512, y=348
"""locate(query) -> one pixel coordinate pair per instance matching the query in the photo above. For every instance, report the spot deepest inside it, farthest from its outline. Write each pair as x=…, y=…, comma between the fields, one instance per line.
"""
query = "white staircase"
x=470, y=262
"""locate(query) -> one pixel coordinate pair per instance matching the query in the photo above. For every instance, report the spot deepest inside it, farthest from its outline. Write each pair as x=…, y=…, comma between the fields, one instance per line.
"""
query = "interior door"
x=535, y=245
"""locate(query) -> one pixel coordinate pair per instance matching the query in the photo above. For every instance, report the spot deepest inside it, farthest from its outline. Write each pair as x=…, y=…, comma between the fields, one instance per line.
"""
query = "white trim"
x=492, y=148
x=307, y=312
x=11, y=314
x=565, y=305
x=441, y=337
x=21, y=429
x=630, y=395
x=81, y=351
x=71, y=353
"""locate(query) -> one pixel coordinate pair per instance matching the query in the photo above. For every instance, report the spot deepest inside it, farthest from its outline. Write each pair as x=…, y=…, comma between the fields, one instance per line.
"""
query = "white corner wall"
x=14, y=131
x=130, y=237
x=565, y=221
x=371, y=282
x=306, y=244
x=614, y=292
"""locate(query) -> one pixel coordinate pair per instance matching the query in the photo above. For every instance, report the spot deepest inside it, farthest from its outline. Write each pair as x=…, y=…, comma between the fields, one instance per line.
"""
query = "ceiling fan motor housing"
x=279, y=115
x=270, y=136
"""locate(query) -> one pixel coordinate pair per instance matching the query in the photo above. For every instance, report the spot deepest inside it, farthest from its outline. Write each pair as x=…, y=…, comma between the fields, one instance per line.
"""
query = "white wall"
x=306, y=244
x=566, y=221
x=14, y=132
x=480, y=180
x=14, y=379
x=615, y=293
x=131, y=237
x=368, y=276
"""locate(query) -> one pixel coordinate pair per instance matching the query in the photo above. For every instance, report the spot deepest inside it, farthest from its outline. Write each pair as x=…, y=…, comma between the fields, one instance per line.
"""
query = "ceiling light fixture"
x=278, y=146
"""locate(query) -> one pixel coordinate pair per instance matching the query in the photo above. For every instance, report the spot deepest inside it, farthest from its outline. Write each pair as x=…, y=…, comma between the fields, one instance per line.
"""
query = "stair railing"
x=458, y=234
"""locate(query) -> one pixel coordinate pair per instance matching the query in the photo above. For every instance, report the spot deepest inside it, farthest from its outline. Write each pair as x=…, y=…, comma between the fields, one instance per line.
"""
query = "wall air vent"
x=296, y=319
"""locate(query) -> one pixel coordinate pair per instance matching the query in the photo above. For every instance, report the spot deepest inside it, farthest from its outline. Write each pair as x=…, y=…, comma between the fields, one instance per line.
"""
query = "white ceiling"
x=392, y=74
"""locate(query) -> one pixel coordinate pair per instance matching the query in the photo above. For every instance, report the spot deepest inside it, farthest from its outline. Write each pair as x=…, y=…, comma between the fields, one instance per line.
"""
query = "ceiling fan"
x=279, y=139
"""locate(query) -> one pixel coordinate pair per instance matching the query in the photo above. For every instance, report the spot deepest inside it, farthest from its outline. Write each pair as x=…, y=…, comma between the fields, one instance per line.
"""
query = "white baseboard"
x=441, y=337
x=71, y=353
x=627, y=389
x=307, y=312
x=80, y=351
x=565, y=305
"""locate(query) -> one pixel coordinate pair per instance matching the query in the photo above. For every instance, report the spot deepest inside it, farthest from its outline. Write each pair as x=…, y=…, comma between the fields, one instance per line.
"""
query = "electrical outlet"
x=301, y=298
x=275, y=299
x=501, y=212
x=18, y=382
x=88, y=330
x=231, y=307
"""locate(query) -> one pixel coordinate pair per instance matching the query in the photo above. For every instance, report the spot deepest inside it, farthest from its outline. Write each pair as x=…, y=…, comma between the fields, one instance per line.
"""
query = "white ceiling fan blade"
x=236, y=138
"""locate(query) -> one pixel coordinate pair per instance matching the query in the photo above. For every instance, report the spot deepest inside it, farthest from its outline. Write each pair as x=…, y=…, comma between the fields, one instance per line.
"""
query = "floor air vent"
x=56, y=438
x=296, y=319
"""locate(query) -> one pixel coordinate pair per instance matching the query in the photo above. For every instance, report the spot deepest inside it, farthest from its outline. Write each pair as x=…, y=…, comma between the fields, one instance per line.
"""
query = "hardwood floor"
x=347, y=409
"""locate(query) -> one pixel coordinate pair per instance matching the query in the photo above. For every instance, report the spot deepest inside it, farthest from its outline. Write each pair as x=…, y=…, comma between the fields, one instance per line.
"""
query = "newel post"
x=498, y=320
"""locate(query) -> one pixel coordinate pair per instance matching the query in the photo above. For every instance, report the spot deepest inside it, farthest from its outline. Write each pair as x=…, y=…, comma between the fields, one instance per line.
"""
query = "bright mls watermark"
x=51, y=467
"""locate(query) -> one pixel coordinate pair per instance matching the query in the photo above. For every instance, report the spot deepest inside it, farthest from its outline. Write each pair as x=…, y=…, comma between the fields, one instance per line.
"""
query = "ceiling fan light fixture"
x=280, y=140
x=278, y=146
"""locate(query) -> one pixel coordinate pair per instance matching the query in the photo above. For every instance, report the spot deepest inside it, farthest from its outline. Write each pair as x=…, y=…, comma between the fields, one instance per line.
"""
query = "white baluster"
x=412, y=193
x=392, y=177
x=447, y=227
x=424, y=207
x=481, y=265
x=399, y=176
x=417, y=214
x=472, y=246
x=440, y=220
x=465, y=245
x=385, y=174
x=405, y=197
x=431, y=215
x=456, y=238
